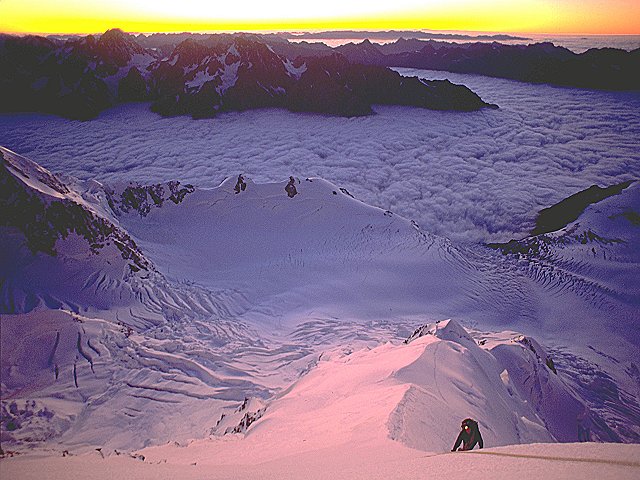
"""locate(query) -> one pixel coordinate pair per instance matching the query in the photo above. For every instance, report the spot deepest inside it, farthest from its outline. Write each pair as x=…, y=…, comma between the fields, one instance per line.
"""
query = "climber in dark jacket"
x=469, y=436
x=291, y=188
x=240, y=184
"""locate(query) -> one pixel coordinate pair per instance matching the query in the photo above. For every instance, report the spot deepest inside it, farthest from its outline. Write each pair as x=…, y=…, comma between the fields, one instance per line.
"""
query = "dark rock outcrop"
x=558, y=217
x=604, y=68
x=142, y=198
x=133, y=87
x=568, y=210
x=114, y=47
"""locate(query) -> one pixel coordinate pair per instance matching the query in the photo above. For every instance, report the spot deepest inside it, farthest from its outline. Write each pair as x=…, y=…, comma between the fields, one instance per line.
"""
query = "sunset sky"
x=541, y=16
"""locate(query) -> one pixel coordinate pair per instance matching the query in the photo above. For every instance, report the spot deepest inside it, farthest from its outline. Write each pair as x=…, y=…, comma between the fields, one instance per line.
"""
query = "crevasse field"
x=472, y=177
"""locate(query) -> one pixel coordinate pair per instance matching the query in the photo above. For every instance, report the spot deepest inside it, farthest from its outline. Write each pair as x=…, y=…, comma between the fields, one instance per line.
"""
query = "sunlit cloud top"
x=548, y=16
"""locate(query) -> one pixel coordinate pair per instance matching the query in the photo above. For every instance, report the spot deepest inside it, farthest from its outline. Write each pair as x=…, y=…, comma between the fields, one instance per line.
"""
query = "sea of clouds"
x=473, y=177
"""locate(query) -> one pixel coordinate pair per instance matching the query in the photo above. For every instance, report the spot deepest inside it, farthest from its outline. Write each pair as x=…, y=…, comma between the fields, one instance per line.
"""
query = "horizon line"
x=316, y=30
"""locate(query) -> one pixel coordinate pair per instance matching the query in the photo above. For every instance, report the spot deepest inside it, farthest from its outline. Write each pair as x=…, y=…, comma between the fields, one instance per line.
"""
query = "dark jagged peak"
x=82, y=47
x=36, y=75
x=18, y=57
x=540, y=63
x=357, y=87
x=546, y=48
x=29, y=44
x=162, y=41
x=114, y=36
x=110, y=51
x=261, y=76
x=324, y=87
x=253, y=53
x=402, y=45
x=133, y=87
x=293, y=50
x=188, y=52
x=115, y=46
x=365, y=52
x=225, y=40
x=234, y=72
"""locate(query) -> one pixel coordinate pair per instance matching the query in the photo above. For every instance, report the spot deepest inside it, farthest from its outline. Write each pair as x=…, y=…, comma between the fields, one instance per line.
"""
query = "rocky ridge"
x=599, y=68
x=204, y=75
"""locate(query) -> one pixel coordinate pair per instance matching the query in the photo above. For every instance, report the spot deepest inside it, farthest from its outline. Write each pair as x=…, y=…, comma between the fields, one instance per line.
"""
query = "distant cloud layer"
x=478, y=176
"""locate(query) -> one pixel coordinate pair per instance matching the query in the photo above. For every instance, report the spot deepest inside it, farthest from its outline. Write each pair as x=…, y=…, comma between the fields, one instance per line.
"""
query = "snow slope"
x=606, y=461
x=279, y=326
x=385, y=412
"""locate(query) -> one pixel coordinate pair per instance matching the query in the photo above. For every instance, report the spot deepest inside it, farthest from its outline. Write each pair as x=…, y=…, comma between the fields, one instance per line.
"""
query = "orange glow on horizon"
x=525, y=16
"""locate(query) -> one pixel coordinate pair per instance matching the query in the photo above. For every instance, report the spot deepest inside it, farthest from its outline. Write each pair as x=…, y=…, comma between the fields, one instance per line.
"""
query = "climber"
x=469, y=436
x=291, y=188
x=551, y=365
x=240, y=184
x=584, y=425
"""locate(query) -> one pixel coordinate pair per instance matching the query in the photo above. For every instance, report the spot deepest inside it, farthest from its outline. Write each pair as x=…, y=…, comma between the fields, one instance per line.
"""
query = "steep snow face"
x=415, y=394
x=58, y=251
x=502, y=376
x=597, y=257
x=228, y=77
x=453, y=380
x=201, y=77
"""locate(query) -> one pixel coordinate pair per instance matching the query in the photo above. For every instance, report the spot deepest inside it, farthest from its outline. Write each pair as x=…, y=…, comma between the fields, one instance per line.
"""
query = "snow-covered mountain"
x=136, y=315
x=56, y=249
x=203, y=76
x=77, y=78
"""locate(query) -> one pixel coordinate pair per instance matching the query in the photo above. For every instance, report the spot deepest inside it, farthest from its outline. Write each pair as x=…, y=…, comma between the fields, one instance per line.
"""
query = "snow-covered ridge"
x=45, y=210
x=62, y=247
x=415, y=394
